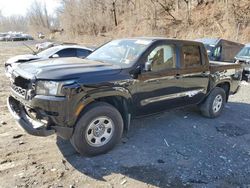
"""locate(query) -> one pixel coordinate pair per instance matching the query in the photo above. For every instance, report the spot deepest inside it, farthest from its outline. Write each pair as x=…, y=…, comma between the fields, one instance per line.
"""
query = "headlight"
x=51, y=87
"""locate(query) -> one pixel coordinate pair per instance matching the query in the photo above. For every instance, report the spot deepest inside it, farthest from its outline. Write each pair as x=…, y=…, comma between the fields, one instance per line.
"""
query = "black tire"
x=95, y=110
x=206, y=107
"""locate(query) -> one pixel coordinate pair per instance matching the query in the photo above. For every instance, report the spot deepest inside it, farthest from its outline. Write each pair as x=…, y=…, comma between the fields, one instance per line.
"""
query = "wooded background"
x=186, y=19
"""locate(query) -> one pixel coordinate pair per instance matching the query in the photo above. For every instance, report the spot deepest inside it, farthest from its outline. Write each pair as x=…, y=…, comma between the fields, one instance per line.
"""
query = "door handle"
x=204, y=73
x=178, y=76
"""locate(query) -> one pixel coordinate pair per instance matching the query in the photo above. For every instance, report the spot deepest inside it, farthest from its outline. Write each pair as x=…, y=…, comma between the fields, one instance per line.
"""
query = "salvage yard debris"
x=17, y=136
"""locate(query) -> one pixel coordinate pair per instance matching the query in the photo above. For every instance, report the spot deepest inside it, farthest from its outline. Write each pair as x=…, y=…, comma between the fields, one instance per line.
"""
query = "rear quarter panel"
x=225, y=72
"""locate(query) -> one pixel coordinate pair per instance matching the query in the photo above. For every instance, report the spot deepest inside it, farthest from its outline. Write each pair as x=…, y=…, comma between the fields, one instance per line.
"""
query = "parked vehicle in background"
x=15, y=36
x=3, y=36
x=27, y=37
x=243, y=57
x=221, y=49
x=53, y=52
x=45, y=45
x=91, y=101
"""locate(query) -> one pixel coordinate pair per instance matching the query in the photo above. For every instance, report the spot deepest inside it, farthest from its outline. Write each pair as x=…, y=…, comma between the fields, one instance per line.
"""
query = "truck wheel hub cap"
x=99, y=131
x=217, y=103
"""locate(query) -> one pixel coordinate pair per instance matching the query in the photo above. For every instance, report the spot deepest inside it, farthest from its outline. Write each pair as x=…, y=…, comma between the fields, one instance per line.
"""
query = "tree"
x=167, y=6
x=38, y=17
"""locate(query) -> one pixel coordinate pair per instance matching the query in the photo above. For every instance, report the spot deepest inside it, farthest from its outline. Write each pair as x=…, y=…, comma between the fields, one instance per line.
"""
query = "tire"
x=214, y=103
x=98, y=129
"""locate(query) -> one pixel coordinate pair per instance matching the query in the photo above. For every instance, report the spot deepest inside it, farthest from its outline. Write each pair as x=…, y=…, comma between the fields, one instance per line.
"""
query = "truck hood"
x=65, y=68
x=22, y=58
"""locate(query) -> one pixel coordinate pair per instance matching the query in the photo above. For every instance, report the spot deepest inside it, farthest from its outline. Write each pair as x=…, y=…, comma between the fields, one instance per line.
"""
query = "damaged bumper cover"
x=29, y=125
x=34, y=127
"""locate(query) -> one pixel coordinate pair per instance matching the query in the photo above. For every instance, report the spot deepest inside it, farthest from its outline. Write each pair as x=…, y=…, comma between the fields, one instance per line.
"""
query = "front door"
x=157, y=87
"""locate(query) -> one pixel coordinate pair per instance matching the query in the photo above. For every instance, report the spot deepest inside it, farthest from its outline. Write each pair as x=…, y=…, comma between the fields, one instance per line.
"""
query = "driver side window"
x=162, y=58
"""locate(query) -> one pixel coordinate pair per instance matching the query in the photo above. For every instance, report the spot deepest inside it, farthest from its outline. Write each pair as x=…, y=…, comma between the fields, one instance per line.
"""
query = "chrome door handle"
x=178, y=76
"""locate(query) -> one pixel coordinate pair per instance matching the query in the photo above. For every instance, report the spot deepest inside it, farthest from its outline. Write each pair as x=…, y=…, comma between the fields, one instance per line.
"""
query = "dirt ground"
x=179, y=148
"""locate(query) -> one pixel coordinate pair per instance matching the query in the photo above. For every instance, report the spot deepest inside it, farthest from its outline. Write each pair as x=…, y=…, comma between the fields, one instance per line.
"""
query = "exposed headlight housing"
x=51, y=88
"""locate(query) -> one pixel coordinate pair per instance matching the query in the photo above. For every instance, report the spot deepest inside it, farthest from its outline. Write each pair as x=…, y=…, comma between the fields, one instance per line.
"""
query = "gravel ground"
x=178, y=148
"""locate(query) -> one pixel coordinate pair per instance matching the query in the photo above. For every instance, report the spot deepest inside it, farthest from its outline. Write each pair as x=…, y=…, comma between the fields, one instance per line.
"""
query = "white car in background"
x=53, y=52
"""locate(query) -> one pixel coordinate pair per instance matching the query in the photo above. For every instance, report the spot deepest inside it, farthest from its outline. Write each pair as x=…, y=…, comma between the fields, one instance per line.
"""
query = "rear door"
x=194, y=72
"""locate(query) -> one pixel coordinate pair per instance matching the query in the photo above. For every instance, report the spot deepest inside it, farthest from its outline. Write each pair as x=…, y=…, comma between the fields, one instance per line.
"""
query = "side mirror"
x=148, y=66
x=135, y=72
x=55, y=56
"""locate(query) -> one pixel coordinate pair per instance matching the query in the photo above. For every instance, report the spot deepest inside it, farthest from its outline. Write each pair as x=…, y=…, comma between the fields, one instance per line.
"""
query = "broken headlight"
x=51, y=88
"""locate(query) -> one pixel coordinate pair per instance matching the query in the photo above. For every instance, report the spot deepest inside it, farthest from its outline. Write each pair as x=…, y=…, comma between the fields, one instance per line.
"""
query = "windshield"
x=123, y=52
x=245, y=52
x=209, y=49
x=209, y=44
x=48, y=52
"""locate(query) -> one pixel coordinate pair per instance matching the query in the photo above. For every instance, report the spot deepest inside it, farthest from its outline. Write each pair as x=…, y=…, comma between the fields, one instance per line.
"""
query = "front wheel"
x=214, y=103
x=98, y=130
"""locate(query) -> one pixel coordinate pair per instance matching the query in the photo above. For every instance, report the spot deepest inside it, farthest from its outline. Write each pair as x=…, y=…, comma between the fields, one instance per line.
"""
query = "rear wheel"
x=214, y=103
x=98, y=130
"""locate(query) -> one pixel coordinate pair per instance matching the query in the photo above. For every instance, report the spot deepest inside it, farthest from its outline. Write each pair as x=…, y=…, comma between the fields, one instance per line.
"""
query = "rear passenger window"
x=82, y=53
x=69, y=52
x=162, y=58
x=192, y=57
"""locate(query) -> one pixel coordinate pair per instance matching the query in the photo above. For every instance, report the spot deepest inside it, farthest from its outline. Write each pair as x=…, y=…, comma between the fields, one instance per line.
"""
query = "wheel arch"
x=226, y=86
x=118, y=98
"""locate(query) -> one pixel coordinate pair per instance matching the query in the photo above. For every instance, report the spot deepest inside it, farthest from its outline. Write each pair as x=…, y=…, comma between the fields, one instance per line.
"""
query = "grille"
x=20, y=91
x=20, y=85
x=21, y=82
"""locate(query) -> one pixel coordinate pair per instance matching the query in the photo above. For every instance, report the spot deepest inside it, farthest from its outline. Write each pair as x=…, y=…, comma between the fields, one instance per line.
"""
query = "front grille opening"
x=21, y=82
x=19, y=90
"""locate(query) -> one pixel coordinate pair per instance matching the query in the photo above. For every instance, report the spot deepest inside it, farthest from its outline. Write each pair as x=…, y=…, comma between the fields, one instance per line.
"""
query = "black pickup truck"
x=91, y=101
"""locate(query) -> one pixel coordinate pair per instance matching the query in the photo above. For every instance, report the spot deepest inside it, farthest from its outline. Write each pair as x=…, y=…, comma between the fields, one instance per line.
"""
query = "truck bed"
x=221, y=66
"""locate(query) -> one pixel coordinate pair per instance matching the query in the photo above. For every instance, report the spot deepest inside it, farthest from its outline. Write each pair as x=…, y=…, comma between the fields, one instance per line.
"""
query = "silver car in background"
x=53, y=52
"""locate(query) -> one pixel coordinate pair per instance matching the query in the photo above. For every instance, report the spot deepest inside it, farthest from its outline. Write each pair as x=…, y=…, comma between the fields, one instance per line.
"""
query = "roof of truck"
x=161, y=38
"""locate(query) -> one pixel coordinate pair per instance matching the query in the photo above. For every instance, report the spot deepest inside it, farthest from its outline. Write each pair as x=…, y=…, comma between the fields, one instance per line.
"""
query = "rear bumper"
x=25, y=122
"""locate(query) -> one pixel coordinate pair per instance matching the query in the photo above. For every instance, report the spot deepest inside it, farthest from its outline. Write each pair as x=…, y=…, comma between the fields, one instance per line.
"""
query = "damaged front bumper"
x=29, y=125
x=32, y=126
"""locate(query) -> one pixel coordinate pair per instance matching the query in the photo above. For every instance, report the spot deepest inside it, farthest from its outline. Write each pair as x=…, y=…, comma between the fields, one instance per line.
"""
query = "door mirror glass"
x=55, y=56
